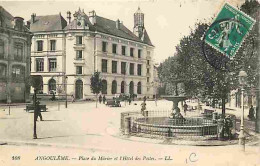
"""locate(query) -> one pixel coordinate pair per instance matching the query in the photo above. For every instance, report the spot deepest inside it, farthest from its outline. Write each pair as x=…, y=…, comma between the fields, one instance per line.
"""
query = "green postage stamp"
x=229, y=29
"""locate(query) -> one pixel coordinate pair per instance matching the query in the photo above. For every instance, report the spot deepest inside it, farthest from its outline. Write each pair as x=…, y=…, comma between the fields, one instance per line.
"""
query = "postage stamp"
x=228, y=30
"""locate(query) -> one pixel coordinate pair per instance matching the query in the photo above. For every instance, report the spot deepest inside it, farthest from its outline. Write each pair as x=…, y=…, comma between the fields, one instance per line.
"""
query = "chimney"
x=28, y=24
x=69, y=16
x=117, y=24
x=18, y=23
x=33, y=17
x=92, y=17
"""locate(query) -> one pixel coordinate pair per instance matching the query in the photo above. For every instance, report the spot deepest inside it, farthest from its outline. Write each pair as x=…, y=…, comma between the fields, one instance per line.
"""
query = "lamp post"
x=154, y=84
x=242, y=81
x=66, y=102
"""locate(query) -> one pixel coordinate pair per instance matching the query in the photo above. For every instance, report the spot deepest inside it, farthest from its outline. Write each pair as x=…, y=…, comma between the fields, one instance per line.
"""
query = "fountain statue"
x=176, y=114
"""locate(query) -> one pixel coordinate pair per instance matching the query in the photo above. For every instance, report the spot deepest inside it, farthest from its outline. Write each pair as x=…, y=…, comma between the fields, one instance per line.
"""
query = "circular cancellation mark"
x=218, y=60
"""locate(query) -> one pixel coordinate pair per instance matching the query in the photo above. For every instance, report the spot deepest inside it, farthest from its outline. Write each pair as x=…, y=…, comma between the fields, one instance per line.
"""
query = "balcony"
x=79, y=46
x=79, y=61
x=148, y=57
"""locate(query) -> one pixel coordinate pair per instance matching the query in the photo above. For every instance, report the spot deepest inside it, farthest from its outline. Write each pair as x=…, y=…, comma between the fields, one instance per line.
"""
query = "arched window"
x=139, y=88
x=131, y=87
x=2, y=48
x=2, y=70
x=52, y=85
x=104, y=87
x=123, y=87
x=79, y=89
x=114, y=87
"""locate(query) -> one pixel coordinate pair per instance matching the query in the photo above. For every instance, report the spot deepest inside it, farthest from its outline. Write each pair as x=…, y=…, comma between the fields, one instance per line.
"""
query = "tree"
x=96, y=84
x=201, y=79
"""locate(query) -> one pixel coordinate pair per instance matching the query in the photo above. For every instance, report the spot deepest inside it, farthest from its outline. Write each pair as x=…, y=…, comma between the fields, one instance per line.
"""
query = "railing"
x=158, y=124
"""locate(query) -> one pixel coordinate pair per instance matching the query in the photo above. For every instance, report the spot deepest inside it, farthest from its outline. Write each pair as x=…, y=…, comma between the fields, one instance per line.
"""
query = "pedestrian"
x=143, y=107
x=251, y=115
x=129, y=100
x=104, y=99
x=228, y=126
x=185, y=108
x=53, y=96
x=38, y=111
x=100, y=99
x=73, y=98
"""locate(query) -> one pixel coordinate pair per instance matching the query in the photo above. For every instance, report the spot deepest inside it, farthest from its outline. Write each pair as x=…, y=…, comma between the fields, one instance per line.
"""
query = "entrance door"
x=79, y=89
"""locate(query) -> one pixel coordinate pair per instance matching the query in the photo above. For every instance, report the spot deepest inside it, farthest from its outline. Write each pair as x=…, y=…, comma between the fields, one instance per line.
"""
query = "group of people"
x=102, y=98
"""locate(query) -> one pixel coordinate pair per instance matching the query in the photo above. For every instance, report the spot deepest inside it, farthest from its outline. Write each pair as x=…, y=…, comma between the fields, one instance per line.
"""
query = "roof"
x=6, y=17
x=48, y=23
x=108, y=26
x=103, y=25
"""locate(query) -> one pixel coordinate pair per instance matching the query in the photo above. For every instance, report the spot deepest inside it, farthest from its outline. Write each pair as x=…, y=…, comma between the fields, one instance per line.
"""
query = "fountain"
x=161, y=123
x=175, y=109
x=176, y=99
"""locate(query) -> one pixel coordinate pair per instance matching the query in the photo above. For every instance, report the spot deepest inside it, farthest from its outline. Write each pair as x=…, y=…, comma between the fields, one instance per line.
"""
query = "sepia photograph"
x=130, y=82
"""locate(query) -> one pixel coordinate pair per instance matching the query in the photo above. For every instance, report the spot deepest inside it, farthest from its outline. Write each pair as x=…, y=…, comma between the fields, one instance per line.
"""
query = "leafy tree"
x=201, y=79
x=96, y=85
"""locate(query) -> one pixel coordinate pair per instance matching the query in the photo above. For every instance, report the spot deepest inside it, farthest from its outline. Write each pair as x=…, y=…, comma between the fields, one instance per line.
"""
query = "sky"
x=166, y=21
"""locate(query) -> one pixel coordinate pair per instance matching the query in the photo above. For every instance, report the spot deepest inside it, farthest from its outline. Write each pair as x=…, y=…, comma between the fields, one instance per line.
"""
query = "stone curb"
x=41, y=144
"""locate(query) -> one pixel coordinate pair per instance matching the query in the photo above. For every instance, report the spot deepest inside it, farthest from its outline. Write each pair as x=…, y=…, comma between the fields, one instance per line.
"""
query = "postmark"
x=226, y=35
x=228, y=30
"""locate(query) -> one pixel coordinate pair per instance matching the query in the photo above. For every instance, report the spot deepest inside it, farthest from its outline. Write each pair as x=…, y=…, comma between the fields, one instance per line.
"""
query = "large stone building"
x=15, y=50
x=66, y=54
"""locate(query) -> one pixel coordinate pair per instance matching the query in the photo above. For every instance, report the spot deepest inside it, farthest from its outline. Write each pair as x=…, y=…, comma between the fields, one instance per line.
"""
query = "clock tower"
x=139, y=23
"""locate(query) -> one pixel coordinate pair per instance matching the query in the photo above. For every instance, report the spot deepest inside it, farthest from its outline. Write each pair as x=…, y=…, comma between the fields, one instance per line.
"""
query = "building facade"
x=67, y=53
x=15, y=50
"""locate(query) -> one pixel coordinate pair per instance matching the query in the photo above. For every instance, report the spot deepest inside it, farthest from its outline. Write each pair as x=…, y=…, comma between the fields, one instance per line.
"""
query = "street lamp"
x=154, y=84
x=242, y=81
x=66, y=102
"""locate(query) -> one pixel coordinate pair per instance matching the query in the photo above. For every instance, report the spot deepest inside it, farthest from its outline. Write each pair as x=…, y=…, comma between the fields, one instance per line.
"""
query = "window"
x=18, y=73
x=2, y=71
x=148, y=70
x=139, y=88
x=53, y=45
x=148, y=53
x=123, y=67
x=114, y=66
x=114, y=47
x=132, y=68
x=104, y=65
x=52, y=64
x=79, y=54
x=123, y=50
x=78, y=39
x=52, y=85
x=39, y=64
x=39, y=45
x=148, y=79
x=122, y=87
x=2, y=49
x=104, y=87
x=114, y=87
x=79, y=70
x=104, y=46
x=139, y=53
x=18, y=51
x=131, y=87
x=148, y=62
x=139, y=69
x=131, y=52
